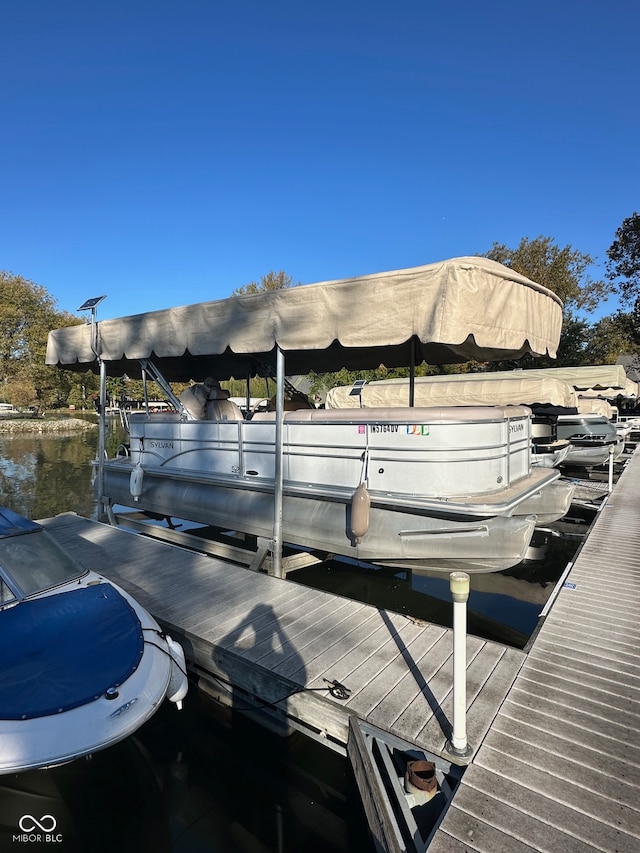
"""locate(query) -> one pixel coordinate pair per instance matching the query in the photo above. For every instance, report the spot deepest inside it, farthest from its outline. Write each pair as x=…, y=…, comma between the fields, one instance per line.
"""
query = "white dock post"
x=459, y=585
x=611, y=451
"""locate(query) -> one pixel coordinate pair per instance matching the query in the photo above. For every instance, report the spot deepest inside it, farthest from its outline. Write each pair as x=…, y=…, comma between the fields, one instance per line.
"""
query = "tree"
x=613, y=336
x=271, y=281
x=563, y=271
x=27, y=314
x=624, y=259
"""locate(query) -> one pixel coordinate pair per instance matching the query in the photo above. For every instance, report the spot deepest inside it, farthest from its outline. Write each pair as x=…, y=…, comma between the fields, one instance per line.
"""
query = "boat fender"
x=360, y=504
x=135, y=481
x=178, y=681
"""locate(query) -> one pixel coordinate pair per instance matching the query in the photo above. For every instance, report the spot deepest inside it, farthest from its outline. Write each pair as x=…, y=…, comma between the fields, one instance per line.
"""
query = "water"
x=194, y=781
x=207, y=778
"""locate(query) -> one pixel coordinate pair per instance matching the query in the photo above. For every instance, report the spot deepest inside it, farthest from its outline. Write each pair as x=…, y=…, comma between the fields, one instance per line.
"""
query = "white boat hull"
x=448, y=488
x=593, y=439
x=395, y=536
x=47, y=741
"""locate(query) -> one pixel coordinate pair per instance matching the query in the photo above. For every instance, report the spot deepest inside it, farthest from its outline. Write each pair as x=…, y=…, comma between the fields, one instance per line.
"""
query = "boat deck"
x=311, y=656
x=560, y=767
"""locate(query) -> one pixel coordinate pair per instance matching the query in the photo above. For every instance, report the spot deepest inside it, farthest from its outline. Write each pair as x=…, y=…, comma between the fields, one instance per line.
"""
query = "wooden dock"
x=559, y=770
x=309, y=658
x=554, y=729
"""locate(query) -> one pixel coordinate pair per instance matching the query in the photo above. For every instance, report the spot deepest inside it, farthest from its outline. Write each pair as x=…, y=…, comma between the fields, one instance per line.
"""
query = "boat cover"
x=608, y=379
x=12, y=524
x=64, y=650
x=595, y=406
x=462, y=389
x=447, y=312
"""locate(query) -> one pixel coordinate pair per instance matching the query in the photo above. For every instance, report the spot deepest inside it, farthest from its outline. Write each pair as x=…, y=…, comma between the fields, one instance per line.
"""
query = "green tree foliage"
x=27, y=314
x=624, y=259
x=563, y=271
x=271, y=281
x=320, y=383
x=613, y=336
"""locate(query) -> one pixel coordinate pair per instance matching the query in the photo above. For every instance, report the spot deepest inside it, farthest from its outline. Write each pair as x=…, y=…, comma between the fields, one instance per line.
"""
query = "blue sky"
x=165, y=153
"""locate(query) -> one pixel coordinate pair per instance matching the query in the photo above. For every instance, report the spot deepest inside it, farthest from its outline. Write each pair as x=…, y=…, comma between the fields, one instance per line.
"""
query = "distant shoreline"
x=44, y=425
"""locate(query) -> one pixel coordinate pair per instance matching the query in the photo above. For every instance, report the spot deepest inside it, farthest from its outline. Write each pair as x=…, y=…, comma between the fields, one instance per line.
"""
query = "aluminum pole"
x=276, y=552
x=101, y=437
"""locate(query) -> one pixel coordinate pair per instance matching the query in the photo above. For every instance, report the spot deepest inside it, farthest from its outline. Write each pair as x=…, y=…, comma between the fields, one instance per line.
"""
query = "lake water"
x=207, y=778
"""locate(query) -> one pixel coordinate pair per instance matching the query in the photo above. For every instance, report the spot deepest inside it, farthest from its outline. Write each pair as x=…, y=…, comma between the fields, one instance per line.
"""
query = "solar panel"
x=91, y=303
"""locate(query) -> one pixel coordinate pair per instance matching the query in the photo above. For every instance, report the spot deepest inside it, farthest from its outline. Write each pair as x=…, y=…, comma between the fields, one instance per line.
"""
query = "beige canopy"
x=451, y=311
x=595, y=406
x=463, y=389
x=608, y=380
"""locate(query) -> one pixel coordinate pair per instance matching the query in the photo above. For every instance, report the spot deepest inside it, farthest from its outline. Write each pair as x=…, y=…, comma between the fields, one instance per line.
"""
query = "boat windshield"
x=35, y=562
x=6, y=593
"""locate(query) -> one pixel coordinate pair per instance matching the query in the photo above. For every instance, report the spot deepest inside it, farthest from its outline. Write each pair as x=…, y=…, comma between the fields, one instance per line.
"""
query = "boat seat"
x=194, y=399
x=208, y=401
x=223, y=410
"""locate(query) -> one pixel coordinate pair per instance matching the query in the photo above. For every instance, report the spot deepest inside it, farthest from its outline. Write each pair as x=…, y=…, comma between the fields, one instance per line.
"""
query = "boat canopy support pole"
x=412, y=374
x=149, y=367
x=276, y=556
x=248, y=392
x=101, y=438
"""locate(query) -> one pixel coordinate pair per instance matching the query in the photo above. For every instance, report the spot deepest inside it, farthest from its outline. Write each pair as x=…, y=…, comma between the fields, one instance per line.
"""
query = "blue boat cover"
x=11, y=523
x=64, y=650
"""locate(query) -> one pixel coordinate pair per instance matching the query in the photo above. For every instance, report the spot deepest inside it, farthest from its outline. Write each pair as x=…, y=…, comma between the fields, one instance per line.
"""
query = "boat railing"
x=457, y=451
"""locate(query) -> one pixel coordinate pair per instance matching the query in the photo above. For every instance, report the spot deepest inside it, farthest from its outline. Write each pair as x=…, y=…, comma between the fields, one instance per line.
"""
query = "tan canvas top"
x=595, y=406
x=449, y=311
x=478, y=389
x=609, y=378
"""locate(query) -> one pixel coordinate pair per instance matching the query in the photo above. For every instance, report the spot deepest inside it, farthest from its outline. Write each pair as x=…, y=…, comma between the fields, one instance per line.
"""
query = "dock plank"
x=397, y=680
x=558, y=786
x=594, y=689
x=514, y=810
x=595, y=753
x=380, y=666
x=355, y=668
x=559, y=767
x=551, y=699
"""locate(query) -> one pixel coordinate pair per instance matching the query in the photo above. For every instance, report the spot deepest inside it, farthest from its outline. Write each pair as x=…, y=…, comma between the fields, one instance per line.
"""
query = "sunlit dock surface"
x=556, y=761
x=559, y=769
x=284, y=646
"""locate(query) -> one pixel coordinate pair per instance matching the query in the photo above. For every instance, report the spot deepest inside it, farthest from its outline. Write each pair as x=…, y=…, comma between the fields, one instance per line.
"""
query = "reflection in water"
x=44, y=474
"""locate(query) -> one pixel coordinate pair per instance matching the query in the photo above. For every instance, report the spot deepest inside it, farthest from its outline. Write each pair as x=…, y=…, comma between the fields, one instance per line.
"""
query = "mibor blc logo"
x=38, y=829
